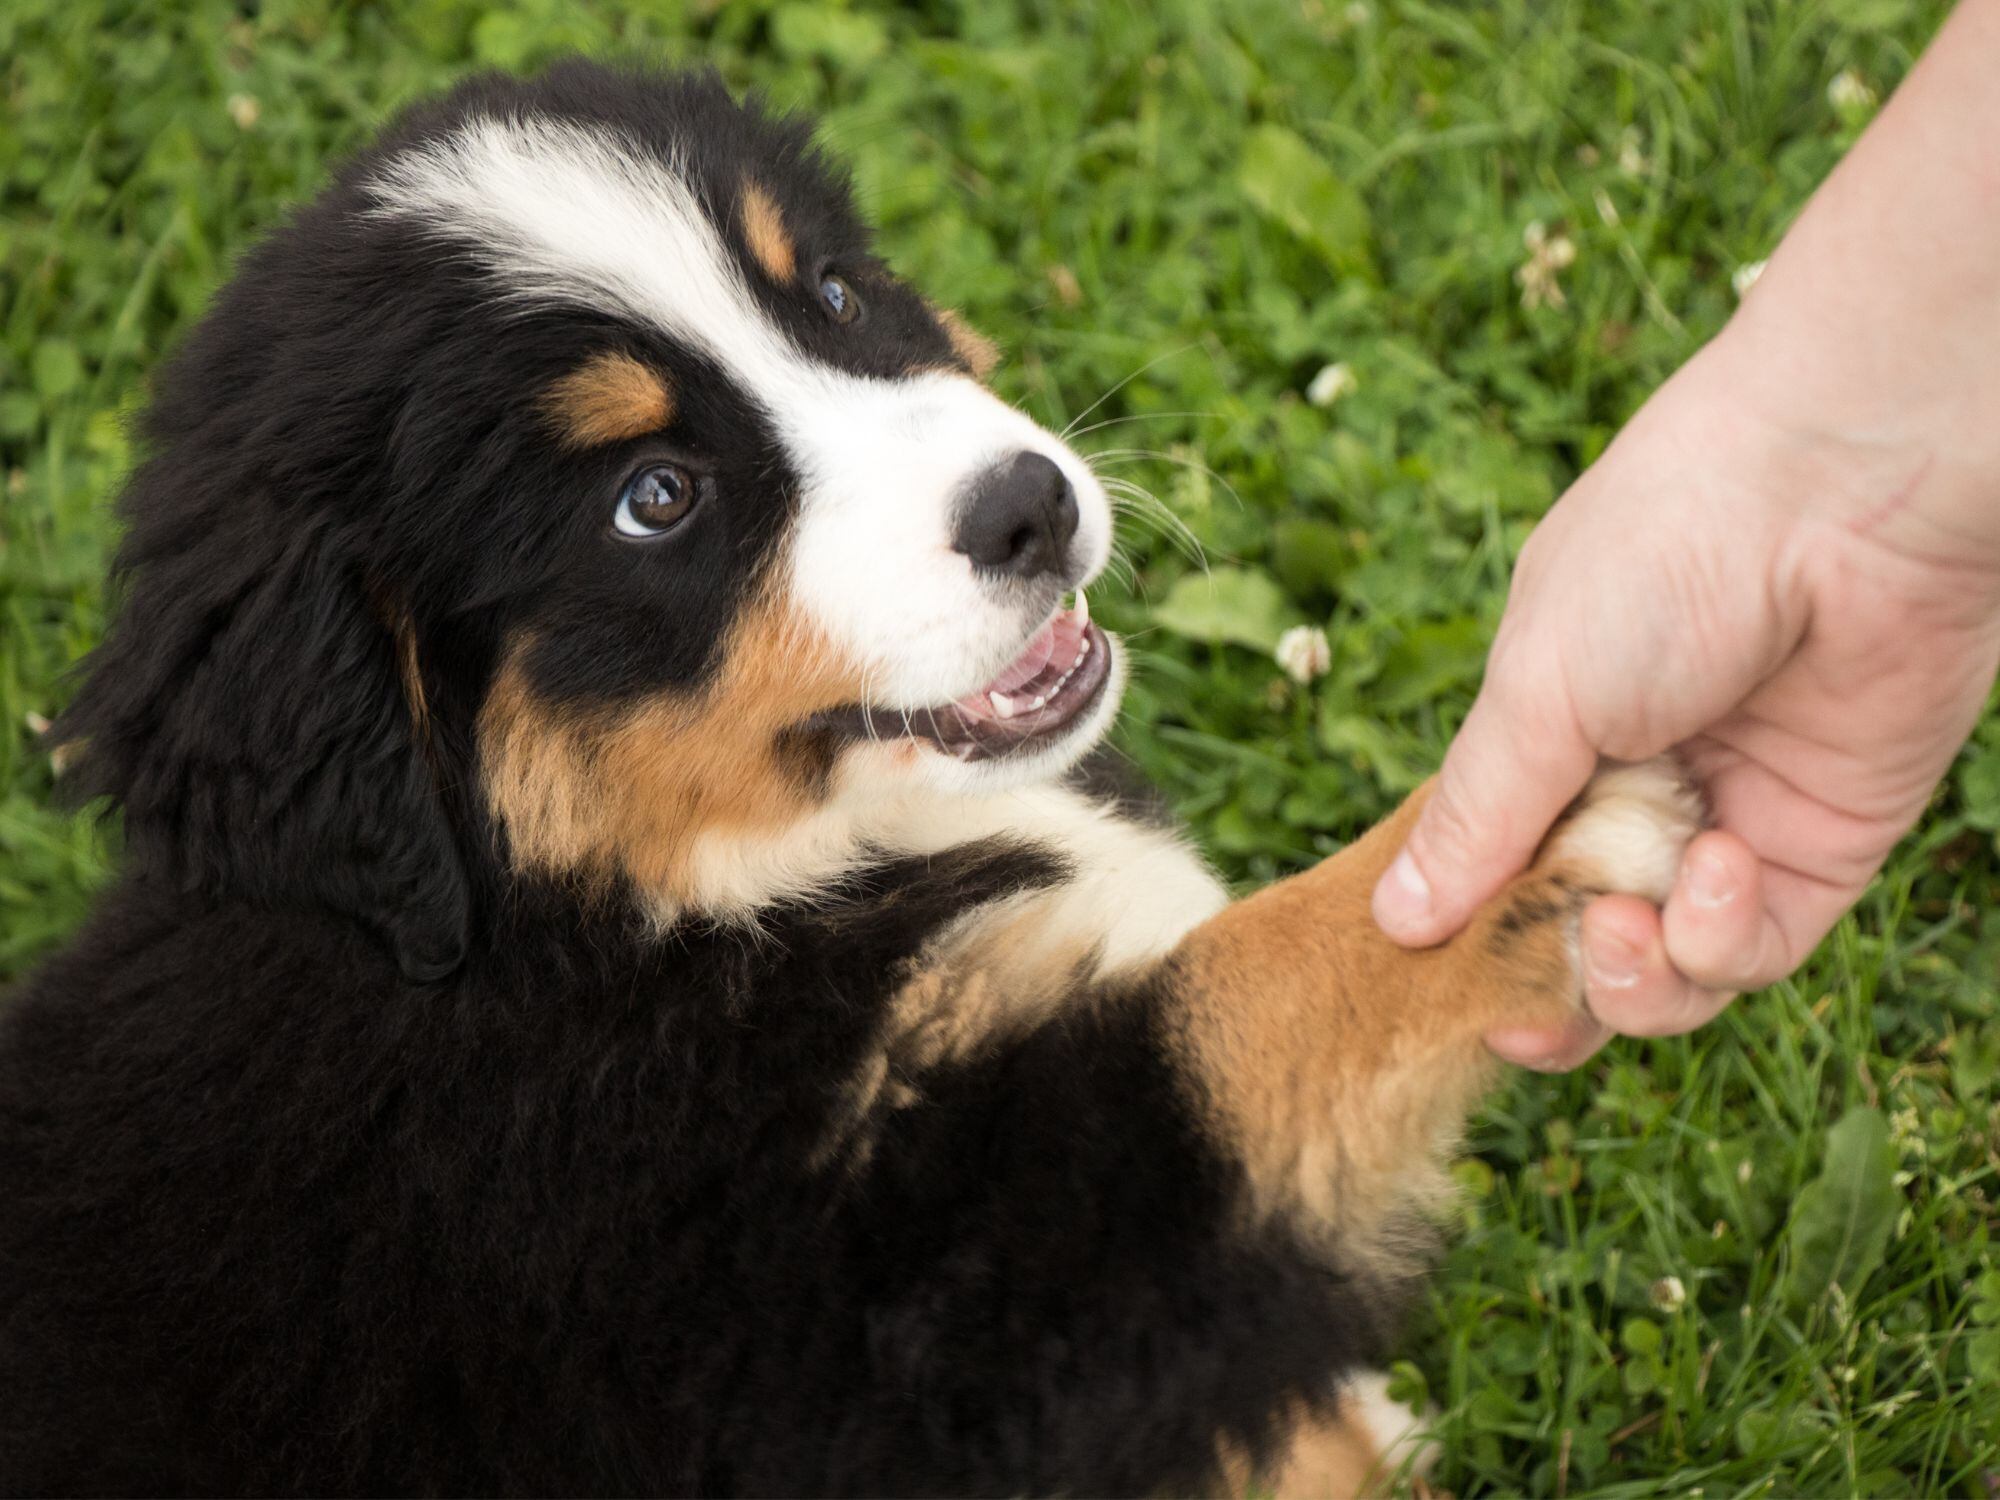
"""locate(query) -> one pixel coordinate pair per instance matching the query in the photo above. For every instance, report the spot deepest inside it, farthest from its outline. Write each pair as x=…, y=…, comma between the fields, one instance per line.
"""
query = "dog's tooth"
x=1081, y=609
x=1002, y=705
x=1041, y=702
x=1083, y=650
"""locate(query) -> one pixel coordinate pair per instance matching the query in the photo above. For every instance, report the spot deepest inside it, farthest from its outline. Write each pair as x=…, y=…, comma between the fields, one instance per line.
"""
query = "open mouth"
x=1059, y=674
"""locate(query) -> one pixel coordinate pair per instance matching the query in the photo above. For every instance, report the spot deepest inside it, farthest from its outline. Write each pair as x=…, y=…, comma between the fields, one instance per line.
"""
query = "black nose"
x=1018, y=518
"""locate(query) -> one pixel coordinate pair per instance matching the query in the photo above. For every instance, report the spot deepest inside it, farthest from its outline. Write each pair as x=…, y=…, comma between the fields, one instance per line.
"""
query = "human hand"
x=1788, y=565
x=1772, y=603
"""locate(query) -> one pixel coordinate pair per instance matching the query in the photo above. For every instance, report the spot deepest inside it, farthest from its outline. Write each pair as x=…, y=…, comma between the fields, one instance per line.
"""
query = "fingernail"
x=1708, y=881
x=1403, y=899
x=1610, y=962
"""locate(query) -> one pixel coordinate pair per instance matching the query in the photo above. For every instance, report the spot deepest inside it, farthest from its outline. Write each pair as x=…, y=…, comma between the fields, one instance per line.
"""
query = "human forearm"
x=1868, y=346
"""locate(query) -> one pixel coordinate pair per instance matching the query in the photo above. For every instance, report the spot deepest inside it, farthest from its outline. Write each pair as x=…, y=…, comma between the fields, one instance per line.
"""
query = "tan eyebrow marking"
x=764, y=228
x=979, y=352
x=608, y=398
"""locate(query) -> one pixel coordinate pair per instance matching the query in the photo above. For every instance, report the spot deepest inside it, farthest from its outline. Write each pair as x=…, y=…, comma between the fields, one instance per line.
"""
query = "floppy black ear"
x=249, y=711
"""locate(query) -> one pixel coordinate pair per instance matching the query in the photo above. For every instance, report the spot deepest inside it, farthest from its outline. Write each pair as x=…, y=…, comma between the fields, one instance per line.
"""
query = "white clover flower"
x=1332, y=382
x=1632, y=159
x=1668, y=1295
x=1304, y=653
x=1745, y=276
x=1906, y=1133
x=1548, y=256
x=1359, y=13
x=244, y=110
x=1849, y=91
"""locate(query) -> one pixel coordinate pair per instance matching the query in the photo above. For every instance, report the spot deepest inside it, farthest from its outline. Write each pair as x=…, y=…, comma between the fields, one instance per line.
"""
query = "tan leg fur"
x=1338, y=1065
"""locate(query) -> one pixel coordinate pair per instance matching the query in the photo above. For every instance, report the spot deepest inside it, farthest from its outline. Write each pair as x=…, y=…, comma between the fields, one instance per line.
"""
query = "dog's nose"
x=1018, y=518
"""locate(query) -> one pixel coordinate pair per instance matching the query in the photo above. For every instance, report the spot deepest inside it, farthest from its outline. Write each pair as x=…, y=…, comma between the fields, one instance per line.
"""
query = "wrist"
x=1866, y=348
x=1910, y=465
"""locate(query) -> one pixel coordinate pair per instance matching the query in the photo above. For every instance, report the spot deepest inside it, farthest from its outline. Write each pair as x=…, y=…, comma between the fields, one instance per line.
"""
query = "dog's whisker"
x=1118, y=566
x=1142, y=504
x=1141, y=416
x=1148, y=365
x=868, y=701
x=1144, y=455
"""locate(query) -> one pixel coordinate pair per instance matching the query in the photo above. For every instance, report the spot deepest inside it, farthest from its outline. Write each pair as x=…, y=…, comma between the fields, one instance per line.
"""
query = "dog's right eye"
x=838, y=298
x=654, y=501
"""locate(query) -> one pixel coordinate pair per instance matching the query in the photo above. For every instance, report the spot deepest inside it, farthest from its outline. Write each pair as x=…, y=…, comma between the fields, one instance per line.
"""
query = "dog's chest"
x=1129, y=892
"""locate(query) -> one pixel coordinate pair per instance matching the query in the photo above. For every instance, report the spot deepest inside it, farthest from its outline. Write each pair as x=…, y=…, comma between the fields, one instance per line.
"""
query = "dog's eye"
x=839, y=300
x=654, y=500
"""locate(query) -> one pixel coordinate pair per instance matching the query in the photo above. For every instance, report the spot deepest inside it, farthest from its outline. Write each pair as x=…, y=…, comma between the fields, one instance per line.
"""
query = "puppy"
x=618, y=985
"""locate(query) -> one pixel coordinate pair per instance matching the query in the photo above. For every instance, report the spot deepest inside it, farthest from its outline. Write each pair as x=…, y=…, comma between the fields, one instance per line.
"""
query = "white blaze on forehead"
x=565, y=213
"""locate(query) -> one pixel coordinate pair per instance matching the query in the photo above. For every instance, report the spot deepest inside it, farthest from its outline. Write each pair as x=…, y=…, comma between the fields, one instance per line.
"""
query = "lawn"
x=1272, y=256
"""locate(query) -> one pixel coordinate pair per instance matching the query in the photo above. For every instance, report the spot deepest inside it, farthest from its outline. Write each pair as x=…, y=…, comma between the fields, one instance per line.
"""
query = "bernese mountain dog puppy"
x=619, y=983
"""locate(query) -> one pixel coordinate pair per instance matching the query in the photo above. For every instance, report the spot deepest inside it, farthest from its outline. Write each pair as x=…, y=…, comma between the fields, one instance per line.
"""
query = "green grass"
x=1210, y=203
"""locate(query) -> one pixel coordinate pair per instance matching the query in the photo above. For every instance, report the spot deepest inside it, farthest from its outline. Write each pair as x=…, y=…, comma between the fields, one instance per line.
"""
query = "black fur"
x=280, y=1223
x=334, y=1157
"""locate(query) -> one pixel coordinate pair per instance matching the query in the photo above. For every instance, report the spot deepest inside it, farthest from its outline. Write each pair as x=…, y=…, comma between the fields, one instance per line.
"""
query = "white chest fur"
x=1133, y=892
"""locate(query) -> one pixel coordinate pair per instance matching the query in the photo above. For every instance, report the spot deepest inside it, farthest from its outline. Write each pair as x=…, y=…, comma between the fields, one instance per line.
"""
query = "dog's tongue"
x=1059, y=673
x=1051, y=652
x=1032, y=659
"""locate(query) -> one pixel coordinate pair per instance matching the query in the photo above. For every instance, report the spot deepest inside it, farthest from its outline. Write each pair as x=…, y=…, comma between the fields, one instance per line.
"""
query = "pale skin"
x=1788, y=565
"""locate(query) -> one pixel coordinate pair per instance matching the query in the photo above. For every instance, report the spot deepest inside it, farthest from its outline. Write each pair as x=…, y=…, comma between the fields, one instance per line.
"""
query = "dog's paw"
x=1627, y=831
x=1368, y=1445
x=1624, y=835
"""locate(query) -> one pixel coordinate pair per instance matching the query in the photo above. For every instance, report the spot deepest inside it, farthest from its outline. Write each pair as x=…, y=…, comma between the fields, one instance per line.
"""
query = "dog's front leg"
x=1337, y=1067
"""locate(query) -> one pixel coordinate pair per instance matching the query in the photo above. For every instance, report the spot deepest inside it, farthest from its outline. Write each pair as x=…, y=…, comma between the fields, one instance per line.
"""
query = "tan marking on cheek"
x=537, y=768
x=600, y=794
x=610, y=398
x=764, y=230
x=979, y=352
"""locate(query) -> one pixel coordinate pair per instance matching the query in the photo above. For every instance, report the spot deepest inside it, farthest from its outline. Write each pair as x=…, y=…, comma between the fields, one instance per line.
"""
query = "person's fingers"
x=1637, y=982
x=1513, y=767
x=1629, y=983
x=1719, y=933
x=1549, y=1050
x=1815, y=860
x=1790, y=828
x=1650, y=973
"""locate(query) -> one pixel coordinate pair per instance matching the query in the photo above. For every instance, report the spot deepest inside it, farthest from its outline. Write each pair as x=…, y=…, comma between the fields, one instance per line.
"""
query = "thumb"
x=1510, y=772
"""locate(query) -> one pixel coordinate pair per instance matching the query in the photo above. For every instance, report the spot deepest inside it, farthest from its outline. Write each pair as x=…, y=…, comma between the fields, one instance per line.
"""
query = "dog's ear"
x=257, y=710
